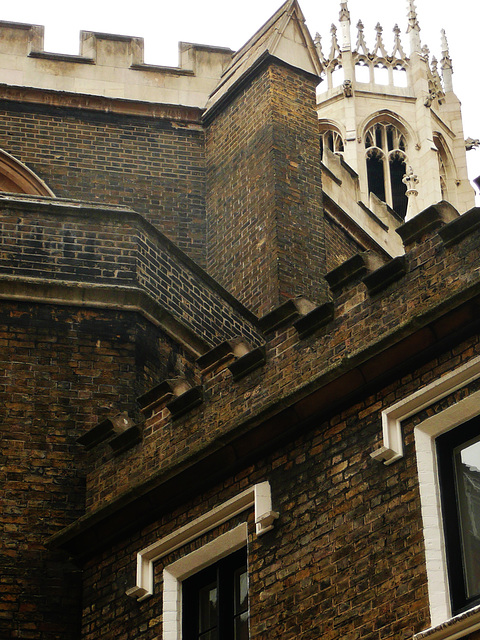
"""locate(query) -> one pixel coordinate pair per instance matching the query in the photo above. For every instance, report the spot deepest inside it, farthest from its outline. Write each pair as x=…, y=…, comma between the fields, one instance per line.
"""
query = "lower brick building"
x=237, y=403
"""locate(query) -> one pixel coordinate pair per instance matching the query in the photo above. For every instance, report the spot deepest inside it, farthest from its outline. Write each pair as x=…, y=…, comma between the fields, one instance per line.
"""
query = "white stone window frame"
x=425, y=434
x=257, y=496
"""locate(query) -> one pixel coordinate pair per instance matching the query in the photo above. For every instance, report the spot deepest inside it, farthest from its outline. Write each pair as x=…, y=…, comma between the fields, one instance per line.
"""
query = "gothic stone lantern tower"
x=384, y=111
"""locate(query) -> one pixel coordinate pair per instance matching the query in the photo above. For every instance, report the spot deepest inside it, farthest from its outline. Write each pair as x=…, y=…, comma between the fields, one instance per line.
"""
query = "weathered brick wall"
x=345, y=558
x=360, y=321
x=61, y=370
x=264, y=201
x=115, y=247
x=152, y=165
x=338, y=244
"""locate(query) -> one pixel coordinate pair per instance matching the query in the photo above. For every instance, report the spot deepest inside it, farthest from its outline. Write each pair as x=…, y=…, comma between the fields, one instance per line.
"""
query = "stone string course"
x=78, y=244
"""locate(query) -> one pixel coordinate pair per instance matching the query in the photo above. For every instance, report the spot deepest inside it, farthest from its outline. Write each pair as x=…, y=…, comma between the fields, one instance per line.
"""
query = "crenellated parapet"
x=109, y=65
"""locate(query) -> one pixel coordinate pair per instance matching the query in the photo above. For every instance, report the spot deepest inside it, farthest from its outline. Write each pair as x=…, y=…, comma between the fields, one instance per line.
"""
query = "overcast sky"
x=163, y=23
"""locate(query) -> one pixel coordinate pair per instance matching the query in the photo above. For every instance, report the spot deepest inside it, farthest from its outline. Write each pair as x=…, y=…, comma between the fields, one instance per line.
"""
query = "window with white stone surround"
x=223, y=546
x=442, y=612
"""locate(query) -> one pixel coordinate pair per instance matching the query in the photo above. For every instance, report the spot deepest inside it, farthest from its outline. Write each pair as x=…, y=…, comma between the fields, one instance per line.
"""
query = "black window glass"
x=215, y=601
x=459, y=469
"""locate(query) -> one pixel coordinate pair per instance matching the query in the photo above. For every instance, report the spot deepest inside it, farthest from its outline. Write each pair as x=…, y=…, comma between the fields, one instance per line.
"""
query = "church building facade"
x=240, y=340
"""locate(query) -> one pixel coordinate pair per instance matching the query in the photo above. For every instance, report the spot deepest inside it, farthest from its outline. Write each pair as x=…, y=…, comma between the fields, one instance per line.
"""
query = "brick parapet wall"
x=363, y=325
x=264, y=199
x=152, y=164
x=79, y=244
x=346, y=556
x=62, y=369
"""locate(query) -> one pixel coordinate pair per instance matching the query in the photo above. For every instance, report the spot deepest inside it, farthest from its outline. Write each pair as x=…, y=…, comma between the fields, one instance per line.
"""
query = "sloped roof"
x=285, y=36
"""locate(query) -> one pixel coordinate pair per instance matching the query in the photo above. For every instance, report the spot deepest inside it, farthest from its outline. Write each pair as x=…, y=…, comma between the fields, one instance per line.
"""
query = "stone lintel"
x=285, y=313
x=316, y=319
x=461, y=227
x=247, y=363
x=185, y=402
x=382, y=277
x=426, y=222
x=353, y=270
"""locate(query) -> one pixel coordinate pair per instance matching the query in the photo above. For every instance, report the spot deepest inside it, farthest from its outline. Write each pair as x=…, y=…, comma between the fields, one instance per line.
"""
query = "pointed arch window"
x=331, y=139
x=446, y=168
x=386, y=161
x=15, y=177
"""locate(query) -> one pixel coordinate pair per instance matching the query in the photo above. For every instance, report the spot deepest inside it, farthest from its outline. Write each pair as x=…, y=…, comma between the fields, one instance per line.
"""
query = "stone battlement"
x=109, y=65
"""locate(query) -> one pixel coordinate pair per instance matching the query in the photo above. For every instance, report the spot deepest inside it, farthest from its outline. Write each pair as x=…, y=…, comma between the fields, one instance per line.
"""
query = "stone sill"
x=453, y=629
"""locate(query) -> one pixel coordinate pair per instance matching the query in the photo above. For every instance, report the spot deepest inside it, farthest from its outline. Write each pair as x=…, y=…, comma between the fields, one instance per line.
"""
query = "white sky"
x=162, y=23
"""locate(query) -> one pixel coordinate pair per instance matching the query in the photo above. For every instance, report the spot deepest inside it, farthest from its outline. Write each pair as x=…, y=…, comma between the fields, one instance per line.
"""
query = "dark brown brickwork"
x=61, y=371
x=340, y=246
x=360, y=320
x=114, y=247
x=151, y=165
x=345, y=558
x=264, y=207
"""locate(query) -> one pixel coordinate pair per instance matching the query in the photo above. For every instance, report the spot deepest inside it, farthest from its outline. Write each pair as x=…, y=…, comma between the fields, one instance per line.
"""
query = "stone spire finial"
x=318, y=46
x=397, y=47
x=346, y=43
x=344, y=12
x=379, y=42
x=410, y=180
x=335, y=49
x=446, y=64
x=413, y=28
x=361, y=44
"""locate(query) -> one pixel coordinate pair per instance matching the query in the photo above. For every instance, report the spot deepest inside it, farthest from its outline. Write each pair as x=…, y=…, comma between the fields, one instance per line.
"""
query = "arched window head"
x=331, y=139
x=15, y=177
x=386, y=160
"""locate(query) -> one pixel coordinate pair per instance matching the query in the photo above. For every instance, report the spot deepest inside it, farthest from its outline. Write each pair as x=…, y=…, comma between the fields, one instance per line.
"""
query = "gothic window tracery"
x=331, y=139
x=386, y=161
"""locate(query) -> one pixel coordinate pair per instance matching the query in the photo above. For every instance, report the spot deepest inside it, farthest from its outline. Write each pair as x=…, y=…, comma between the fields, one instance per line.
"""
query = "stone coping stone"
x=353, y=270
x=104, y=430
x=461, y=227
x=381, y=278
x=126, y=440
x=316, y=319
x=429, y=220
x=185, y=402
x=248, y=363
x=216, y=355
x=285, y=313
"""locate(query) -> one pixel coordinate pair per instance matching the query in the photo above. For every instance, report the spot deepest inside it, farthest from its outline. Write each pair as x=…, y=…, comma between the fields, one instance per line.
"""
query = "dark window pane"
x=399, y=198
x=458, y=454
x=241, y=627
x=207, y=607
x=467, y=465
x=376, y=179
x=241, y=590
